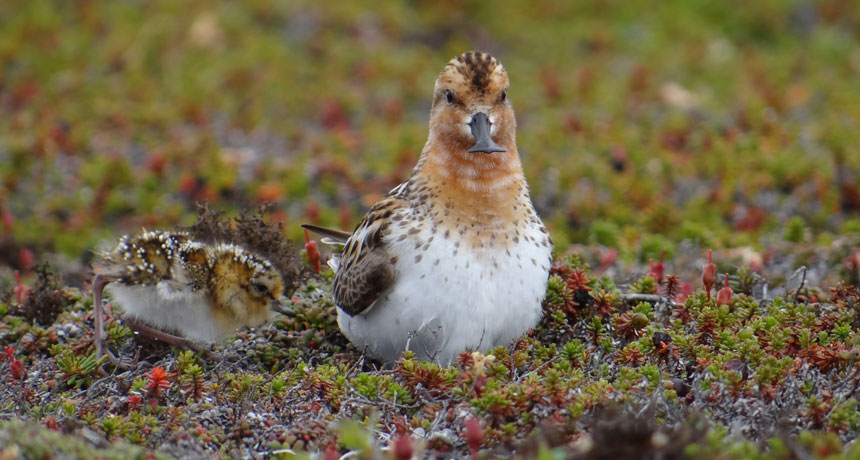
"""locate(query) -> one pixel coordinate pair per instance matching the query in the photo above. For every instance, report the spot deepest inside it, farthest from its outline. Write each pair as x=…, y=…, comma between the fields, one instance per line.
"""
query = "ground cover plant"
x=696, y=163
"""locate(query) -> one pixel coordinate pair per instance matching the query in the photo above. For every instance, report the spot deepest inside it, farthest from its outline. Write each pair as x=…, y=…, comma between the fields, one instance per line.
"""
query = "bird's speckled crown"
x=476, y=67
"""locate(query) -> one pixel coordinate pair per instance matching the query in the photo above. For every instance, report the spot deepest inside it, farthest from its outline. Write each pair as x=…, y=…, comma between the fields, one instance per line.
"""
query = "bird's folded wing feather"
x=331, y=235
x=365, y=269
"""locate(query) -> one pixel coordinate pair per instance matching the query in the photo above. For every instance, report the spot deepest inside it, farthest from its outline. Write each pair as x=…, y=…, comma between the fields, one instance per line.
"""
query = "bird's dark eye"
x=504, y=95
x=449, y=97
x=259, y=288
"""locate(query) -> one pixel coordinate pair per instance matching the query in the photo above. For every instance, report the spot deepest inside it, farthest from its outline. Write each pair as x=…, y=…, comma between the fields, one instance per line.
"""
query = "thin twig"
x=802, y=282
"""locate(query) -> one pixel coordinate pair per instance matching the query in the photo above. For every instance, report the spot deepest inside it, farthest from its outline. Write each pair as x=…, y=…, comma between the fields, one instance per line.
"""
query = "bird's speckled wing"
x=366, y=267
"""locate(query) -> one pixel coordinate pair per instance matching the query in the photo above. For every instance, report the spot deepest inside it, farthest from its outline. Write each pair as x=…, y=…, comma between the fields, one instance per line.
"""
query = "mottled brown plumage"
x=368, y=269
x=456, y=257
x=477, y=68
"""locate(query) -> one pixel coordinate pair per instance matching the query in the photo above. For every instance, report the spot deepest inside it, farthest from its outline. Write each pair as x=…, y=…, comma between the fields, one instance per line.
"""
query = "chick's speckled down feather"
x=203, y=292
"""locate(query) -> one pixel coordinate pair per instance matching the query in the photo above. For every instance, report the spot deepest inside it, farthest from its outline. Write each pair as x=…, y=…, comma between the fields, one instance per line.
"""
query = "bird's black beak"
x=281, y=306
x=480, y=125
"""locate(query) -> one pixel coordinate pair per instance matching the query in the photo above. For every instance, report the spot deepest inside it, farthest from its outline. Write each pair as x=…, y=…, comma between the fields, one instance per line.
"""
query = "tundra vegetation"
x=697, y=164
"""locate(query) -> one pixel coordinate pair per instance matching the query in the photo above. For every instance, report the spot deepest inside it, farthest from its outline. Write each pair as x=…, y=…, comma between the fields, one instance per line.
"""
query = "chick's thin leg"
x=99, y=283
x=171, y=339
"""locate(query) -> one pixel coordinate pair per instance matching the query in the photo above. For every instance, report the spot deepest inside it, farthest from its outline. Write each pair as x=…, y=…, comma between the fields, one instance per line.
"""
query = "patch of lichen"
x=20, y=439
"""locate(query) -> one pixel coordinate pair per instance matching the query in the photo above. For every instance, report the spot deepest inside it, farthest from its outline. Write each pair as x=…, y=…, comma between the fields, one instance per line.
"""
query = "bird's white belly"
x=453, y=299
x=186, y=313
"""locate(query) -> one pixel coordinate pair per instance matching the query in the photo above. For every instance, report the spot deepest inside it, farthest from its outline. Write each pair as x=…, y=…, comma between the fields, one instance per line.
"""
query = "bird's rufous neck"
x=475, y=174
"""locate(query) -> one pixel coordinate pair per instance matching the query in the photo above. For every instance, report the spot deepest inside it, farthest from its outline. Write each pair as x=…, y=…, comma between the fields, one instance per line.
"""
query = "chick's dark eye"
x=449, y=97
x=259, y=288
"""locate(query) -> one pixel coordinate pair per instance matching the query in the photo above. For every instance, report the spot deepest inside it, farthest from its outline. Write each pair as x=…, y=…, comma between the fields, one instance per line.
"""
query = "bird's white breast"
x=450, y=297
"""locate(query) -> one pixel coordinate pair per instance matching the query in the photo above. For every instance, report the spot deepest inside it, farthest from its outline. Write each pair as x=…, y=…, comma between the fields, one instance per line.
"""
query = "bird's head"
x=244, y=285
x=471, y=111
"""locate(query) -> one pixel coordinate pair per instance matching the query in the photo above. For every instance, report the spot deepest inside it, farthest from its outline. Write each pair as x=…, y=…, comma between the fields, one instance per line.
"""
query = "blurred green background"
x=641, y=124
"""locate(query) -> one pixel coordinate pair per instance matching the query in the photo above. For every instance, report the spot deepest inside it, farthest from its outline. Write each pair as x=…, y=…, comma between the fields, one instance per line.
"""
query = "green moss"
x=31, y=440
x=605, y=233
x=795, y=230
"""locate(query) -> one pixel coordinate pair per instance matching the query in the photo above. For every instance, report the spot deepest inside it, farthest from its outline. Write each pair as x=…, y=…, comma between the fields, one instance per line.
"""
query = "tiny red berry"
x=8, y=221
x=26, y=259
x=474, y=435
x=16, y=366
x=331, y=453
x=403, y=449
x=724, y=297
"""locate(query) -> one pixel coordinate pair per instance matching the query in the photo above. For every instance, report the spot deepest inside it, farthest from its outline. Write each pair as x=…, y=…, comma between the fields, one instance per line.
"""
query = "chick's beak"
x=281, y=305
x=480, y=125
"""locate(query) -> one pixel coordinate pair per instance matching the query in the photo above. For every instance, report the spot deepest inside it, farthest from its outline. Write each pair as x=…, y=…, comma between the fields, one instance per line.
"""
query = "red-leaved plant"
x=709, y=275
x=313, y=253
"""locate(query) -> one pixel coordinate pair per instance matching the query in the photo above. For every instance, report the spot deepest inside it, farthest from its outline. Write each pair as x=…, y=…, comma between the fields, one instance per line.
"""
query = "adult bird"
x=456, y=258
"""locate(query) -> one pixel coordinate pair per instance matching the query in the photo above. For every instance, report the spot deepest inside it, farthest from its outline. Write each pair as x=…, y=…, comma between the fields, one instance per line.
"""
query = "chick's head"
x=244, y=286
